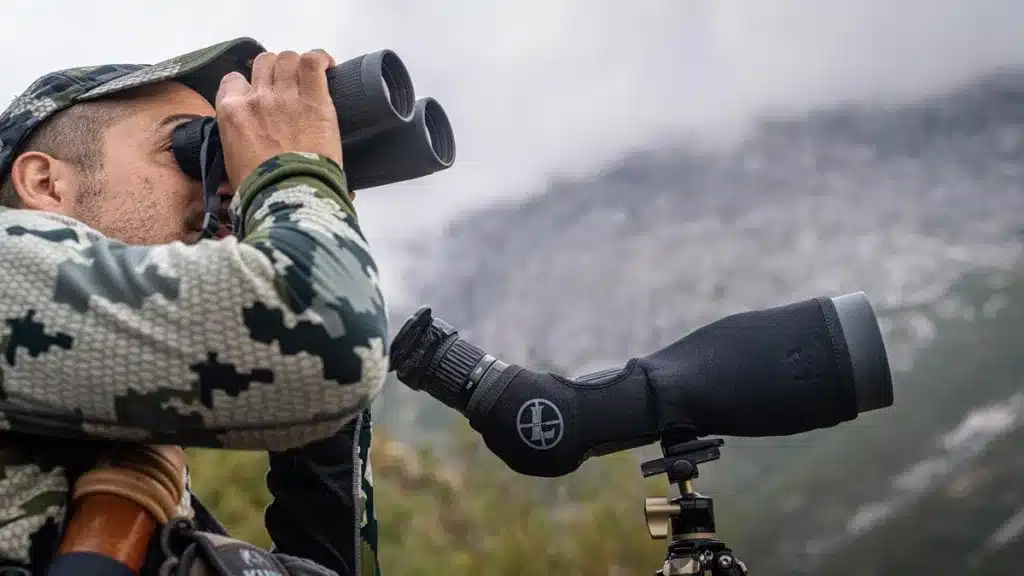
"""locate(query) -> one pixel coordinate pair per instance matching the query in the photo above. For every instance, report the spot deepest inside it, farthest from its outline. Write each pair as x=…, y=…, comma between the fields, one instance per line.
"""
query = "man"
x=118, y=323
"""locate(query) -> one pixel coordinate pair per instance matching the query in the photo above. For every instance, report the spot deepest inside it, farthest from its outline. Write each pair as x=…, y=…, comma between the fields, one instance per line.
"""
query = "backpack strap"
x=191, y=552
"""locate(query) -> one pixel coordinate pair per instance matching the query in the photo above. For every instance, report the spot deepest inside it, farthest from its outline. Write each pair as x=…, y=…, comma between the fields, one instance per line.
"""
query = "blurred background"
x=628, y=171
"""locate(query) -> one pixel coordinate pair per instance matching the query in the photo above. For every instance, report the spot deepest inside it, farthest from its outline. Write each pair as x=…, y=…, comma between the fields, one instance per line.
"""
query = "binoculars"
x=388, y=135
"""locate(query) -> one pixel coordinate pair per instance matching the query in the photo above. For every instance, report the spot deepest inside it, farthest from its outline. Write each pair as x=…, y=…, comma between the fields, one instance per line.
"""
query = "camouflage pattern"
x=31, y=496
x=266, y=340
x=367, y=562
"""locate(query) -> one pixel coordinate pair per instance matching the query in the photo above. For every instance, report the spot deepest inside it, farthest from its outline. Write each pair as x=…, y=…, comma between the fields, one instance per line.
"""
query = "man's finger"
x=312, y=77
x=231, y=85
x=263, y=70
x=286, y=70
x=329, y=57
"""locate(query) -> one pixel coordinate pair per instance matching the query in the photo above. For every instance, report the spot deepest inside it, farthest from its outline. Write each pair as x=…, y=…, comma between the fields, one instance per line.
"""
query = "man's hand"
x=286, y=108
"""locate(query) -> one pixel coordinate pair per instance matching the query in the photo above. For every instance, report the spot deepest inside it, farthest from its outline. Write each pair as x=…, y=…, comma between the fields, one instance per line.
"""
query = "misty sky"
x=535, y=87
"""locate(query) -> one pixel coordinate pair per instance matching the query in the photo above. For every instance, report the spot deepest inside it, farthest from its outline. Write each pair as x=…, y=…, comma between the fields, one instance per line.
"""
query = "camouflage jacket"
x=271, y=339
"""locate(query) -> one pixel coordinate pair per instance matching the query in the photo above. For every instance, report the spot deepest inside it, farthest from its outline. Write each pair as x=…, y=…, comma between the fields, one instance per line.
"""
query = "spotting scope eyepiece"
x=772, y=372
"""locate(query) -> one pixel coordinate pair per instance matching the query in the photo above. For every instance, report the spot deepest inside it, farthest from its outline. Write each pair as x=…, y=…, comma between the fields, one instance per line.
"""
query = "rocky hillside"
x=919, y=206
x=898, y=203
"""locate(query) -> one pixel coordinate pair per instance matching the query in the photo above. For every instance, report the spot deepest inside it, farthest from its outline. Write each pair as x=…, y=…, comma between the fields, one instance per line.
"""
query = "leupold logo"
x=540, y=424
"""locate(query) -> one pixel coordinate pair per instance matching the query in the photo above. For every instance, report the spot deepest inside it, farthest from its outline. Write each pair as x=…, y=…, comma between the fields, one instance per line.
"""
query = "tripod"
x=687, y=517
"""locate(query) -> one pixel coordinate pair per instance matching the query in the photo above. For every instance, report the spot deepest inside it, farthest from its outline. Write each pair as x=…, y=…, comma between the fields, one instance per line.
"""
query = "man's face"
x=141, y=196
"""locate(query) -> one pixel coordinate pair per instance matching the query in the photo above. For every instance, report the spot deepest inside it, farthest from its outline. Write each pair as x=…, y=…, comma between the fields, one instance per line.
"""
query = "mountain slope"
x=919, y=206
x=898, y=203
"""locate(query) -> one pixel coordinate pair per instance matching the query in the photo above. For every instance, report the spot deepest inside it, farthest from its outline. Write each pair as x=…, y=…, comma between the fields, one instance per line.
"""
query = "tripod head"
x=686, y=517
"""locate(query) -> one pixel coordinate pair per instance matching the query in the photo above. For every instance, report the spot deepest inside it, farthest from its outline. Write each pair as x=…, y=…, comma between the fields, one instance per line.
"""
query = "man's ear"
x=43, y=182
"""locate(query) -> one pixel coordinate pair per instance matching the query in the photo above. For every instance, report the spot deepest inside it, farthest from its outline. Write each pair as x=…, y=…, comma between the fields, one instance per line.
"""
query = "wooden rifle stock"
x=116, y=509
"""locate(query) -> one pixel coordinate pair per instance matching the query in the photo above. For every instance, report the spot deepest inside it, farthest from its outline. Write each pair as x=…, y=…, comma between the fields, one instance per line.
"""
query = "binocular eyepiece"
x=388, y=135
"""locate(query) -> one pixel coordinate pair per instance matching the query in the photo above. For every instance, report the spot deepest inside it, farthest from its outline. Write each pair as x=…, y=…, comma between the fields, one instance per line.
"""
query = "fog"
x=536, y=88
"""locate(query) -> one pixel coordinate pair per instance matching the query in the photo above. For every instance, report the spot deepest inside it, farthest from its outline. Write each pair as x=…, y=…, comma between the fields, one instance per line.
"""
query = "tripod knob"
x=728, y=565
x=659, y=512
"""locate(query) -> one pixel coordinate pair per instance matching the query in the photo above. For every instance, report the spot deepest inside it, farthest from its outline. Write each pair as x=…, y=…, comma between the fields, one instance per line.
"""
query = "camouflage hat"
x=200, y=70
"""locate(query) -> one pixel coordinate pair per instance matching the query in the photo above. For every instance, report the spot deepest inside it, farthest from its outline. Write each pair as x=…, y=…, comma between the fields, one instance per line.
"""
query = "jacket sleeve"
x=315, y=511
x=266, y=340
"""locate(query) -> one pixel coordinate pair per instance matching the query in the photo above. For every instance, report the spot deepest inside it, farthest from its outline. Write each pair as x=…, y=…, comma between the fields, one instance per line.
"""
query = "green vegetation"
x=481, y=519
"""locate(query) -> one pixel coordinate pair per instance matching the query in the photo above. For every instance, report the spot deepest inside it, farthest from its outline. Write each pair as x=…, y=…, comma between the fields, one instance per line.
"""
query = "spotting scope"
x=770, y=372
